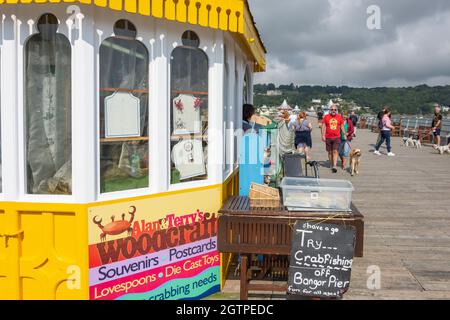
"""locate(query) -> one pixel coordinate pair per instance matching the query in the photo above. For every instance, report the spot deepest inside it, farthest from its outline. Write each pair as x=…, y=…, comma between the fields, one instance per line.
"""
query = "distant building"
x=317, y=101
x=274, y=93
x=445, y=109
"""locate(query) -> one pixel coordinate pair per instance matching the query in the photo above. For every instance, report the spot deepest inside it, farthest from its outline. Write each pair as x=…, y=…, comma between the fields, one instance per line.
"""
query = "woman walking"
x=387, y=126
x=303, y=140
x=346, y=137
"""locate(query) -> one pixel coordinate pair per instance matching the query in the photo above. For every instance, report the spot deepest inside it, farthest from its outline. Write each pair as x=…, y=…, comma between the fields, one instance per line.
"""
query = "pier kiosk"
x=117, y=144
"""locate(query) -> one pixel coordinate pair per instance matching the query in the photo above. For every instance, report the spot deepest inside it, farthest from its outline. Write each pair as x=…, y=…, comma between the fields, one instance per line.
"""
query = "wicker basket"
x=262, y=196
x=259, y=189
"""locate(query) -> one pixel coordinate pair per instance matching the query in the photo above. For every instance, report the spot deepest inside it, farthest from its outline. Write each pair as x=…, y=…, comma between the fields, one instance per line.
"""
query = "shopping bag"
x=344, y=149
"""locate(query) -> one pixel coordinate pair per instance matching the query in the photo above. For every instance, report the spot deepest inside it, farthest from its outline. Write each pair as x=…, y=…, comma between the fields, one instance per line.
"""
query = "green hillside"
x=411, y=100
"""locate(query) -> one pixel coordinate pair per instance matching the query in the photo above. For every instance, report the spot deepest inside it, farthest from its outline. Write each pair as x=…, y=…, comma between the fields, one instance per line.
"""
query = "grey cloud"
x=328, y=42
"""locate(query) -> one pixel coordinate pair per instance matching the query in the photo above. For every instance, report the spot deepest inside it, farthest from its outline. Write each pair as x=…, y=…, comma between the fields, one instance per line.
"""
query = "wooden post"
x=244, y=283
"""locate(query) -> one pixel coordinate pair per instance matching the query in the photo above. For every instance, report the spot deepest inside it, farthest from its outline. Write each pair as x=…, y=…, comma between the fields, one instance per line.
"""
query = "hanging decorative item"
x=180, y=124
x=188, y=157
x=198, y=103
x=188, y=147
x=122, y=115
x=186, y=115
x=179, y=105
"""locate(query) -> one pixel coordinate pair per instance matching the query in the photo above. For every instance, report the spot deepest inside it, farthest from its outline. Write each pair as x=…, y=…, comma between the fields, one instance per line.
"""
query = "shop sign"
x=162, y=248
x=321, y=259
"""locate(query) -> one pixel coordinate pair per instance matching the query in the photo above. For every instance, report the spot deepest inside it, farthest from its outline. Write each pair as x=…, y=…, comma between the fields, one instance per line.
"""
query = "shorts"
x=437, y=133
x=333, y=144
x=303, y=139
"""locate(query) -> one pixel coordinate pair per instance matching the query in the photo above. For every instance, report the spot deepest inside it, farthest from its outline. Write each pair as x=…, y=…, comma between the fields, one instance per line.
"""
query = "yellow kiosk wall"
x=44, y=247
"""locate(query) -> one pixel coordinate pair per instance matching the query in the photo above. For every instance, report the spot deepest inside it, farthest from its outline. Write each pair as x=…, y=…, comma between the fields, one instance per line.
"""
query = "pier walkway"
x=406, y=204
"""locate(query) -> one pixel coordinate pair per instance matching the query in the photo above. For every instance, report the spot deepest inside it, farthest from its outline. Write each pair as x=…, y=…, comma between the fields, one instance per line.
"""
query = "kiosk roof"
x=230, y=15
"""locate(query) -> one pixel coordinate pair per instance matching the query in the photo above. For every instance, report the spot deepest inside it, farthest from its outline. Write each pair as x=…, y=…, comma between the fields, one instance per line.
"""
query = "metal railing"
x=412, y=122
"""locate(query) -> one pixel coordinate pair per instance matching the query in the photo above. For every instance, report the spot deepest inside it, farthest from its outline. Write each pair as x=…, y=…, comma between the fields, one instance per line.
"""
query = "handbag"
x=345, y=149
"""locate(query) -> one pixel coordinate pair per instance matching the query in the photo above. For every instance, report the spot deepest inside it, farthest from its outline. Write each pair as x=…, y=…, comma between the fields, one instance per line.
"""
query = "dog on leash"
x=355, y=158
x=411, y=142
x=442, y=149
x=406, y=142
x=417, y=143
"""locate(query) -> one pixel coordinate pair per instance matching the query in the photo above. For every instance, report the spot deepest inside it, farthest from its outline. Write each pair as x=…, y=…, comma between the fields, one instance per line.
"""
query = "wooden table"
x=269, y=232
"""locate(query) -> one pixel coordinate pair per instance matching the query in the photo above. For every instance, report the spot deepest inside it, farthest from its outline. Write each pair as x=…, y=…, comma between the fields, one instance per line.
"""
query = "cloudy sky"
x=328, y=42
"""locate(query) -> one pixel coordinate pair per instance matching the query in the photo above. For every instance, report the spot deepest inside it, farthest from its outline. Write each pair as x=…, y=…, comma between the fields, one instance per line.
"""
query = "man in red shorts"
x=332, y=125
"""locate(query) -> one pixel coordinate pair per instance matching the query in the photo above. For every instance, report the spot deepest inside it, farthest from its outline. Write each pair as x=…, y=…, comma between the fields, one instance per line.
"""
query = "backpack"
x=380, y=119
x=380, y=124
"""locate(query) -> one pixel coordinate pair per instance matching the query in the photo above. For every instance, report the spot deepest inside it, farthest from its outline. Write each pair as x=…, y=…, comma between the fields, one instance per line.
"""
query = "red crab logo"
x=115, y=227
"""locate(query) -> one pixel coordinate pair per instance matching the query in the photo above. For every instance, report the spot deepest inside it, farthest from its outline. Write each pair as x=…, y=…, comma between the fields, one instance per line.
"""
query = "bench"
x=269, y=232
x=397, y=131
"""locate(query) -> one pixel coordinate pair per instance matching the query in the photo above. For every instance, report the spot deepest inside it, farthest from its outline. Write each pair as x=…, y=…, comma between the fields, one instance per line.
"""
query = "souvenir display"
x=188, y=157
x=130, y=160
x=186, y=115
x=119, y=123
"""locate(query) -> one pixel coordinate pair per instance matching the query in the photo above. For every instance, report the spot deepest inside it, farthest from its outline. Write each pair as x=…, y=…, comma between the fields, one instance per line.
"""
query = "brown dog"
x=355, y=156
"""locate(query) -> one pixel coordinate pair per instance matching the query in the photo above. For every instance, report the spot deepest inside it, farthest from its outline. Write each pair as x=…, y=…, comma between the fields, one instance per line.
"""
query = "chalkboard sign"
x=321, y=259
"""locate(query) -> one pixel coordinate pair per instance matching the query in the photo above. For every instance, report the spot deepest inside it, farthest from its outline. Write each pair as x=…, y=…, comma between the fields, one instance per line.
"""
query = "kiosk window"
x=237, y=120
x=48, y=110
x=189, y=111
x=245, y=89
x=226, y=119
x=245, y=93
x=124, y=94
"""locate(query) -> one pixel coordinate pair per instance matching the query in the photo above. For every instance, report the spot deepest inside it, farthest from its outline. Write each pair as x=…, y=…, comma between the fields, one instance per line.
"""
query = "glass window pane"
x=124, y=94
x=227, y=120
x=245, y=88
x=48, y=110
x=189, y=114
x=237, y=119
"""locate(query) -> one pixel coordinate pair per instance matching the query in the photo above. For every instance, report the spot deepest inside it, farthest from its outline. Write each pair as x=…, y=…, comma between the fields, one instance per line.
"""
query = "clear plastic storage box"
x=310, y=194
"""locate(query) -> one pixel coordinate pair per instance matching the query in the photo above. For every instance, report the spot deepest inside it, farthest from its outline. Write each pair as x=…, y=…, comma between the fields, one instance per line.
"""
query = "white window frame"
x=205, y=42
x=1, y=114
x=104, y=29
x=226, y=166
x=24, y=32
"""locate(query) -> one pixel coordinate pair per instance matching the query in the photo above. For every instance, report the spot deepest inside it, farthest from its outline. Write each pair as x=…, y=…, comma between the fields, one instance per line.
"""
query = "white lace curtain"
x=48, y=112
